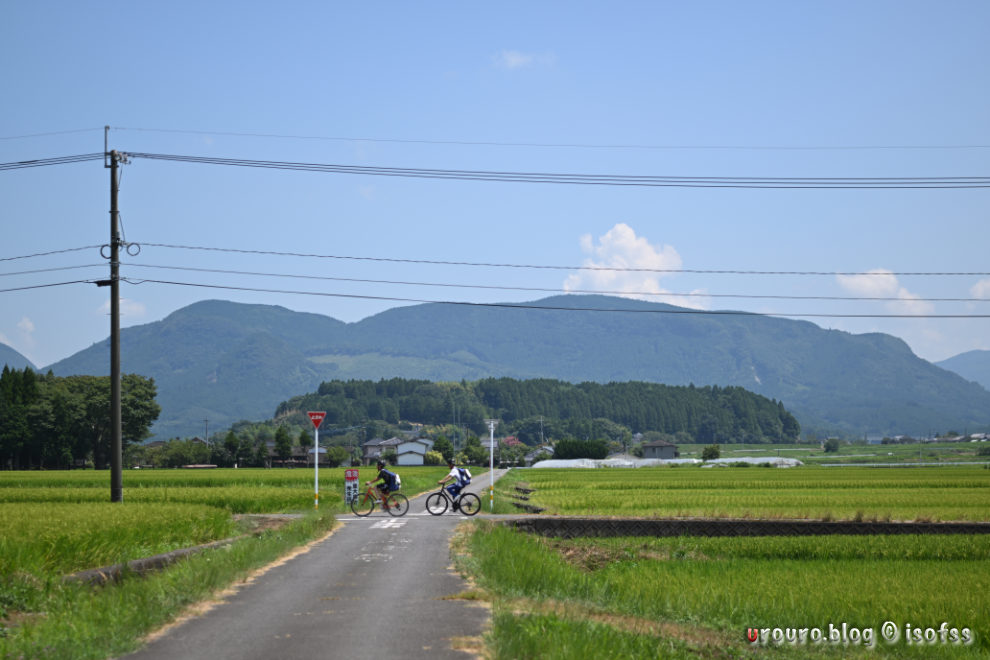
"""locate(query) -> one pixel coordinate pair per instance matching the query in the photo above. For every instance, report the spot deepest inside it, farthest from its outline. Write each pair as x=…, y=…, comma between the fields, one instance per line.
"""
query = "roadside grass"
x=57, y=523
x=590, y=597
x=898, y=494
x=45, y=539
x=78, y=621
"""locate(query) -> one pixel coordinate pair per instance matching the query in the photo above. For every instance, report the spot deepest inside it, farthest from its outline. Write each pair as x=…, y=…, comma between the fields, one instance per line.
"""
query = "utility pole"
x=116, y=471
x=491, y=462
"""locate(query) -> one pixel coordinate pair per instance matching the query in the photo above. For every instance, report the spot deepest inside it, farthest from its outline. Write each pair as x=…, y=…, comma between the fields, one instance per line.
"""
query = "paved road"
x=378, y=587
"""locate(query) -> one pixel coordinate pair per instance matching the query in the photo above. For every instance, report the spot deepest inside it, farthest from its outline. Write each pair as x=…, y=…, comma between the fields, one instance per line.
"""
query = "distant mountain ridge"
x=226, y=361
x=13, y=359
x=971, y=365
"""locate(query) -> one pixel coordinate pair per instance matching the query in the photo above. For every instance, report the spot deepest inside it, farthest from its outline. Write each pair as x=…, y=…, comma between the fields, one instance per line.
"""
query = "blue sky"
x=709, y=89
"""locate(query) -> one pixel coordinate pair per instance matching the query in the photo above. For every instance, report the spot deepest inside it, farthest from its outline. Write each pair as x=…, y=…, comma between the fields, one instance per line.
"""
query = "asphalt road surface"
x=378, y=587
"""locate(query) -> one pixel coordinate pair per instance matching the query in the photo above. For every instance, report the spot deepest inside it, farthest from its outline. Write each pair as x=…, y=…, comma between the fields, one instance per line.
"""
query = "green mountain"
x=13, y=359
x=224, y=361
x=217, y=361
x=972, y=365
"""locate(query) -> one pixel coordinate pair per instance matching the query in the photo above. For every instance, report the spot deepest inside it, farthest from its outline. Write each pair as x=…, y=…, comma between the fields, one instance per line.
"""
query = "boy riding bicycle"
x=390, y=482
x=461, y=478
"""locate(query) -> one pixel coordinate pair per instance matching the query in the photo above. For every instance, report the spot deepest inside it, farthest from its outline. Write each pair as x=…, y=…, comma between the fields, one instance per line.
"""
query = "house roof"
x=378, y=442
x=659, y=443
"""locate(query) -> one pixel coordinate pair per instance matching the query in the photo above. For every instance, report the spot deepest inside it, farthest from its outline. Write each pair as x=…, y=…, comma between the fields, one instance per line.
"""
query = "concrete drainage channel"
x=612, y=527
x=97, y=576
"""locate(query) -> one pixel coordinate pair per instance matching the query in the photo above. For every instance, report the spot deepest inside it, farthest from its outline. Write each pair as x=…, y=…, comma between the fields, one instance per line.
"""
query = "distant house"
x=660, y=449
x=413, y=452
x=373, y=449
x=538, y=454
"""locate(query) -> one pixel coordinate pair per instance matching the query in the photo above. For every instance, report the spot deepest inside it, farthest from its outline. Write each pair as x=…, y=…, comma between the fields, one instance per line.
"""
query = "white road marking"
x=388, y=524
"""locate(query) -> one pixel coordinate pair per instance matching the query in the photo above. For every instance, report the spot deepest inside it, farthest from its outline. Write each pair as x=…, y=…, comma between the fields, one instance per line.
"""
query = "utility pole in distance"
x=116, y=460
x=491, y=462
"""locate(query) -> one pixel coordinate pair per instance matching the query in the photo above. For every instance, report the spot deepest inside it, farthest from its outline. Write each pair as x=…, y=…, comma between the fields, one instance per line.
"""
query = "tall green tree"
x=443, y=445
x=283, y=444
x=47, y=421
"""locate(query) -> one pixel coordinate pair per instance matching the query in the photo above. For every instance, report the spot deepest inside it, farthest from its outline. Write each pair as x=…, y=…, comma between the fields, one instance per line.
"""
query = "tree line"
x=48, y=421
x=539, y=408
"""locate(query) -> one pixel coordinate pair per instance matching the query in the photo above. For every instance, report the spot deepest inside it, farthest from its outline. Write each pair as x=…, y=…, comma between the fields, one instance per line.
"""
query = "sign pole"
x=491, y=463
x=316, y=468
x=316, y=417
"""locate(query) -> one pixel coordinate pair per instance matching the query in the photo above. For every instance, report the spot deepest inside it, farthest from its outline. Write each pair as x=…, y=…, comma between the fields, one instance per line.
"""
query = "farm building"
x=660, y=449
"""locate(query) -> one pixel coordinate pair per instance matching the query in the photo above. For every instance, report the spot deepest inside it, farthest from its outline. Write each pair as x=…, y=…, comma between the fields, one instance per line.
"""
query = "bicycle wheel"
x=470, y=504
x=398, y=504
x=436, y=504
x=363, y=506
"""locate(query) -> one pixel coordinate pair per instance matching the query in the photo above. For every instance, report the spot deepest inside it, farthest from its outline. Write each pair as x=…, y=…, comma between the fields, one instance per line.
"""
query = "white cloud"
x=26, y=328
x=514, y=59
x=882, y=283
x=638, y=262
x=874, y=283
x=24, y=342
x=981, y=289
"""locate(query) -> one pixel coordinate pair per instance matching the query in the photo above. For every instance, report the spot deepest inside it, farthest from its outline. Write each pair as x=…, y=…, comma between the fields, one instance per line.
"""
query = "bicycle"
x=437, y=503
x=396, y=503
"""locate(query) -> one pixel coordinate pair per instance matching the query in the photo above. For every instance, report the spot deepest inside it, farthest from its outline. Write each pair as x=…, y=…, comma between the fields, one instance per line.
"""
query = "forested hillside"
x=227, y=362
x=708, y=414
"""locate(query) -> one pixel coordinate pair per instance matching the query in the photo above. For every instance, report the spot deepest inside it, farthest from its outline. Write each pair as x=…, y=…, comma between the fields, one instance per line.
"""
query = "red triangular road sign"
x=316, y=418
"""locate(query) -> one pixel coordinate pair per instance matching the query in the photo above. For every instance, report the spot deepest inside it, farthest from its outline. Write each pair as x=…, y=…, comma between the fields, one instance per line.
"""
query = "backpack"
x=392, y=479
x=465, y=476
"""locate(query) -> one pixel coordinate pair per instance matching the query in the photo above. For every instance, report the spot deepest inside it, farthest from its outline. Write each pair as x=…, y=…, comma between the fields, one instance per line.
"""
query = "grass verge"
x=46, y=617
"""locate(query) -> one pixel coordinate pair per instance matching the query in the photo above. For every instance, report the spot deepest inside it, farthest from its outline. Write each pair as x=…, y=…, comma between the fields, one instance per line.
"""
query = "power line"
x=594, y=179
x=34, y=135
x=45, y=254
x=562, y=145
x=44, y=286
x=44, y=162
x=668, y=294
x=51, y=270
x=679, y=310
x=696, y=271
